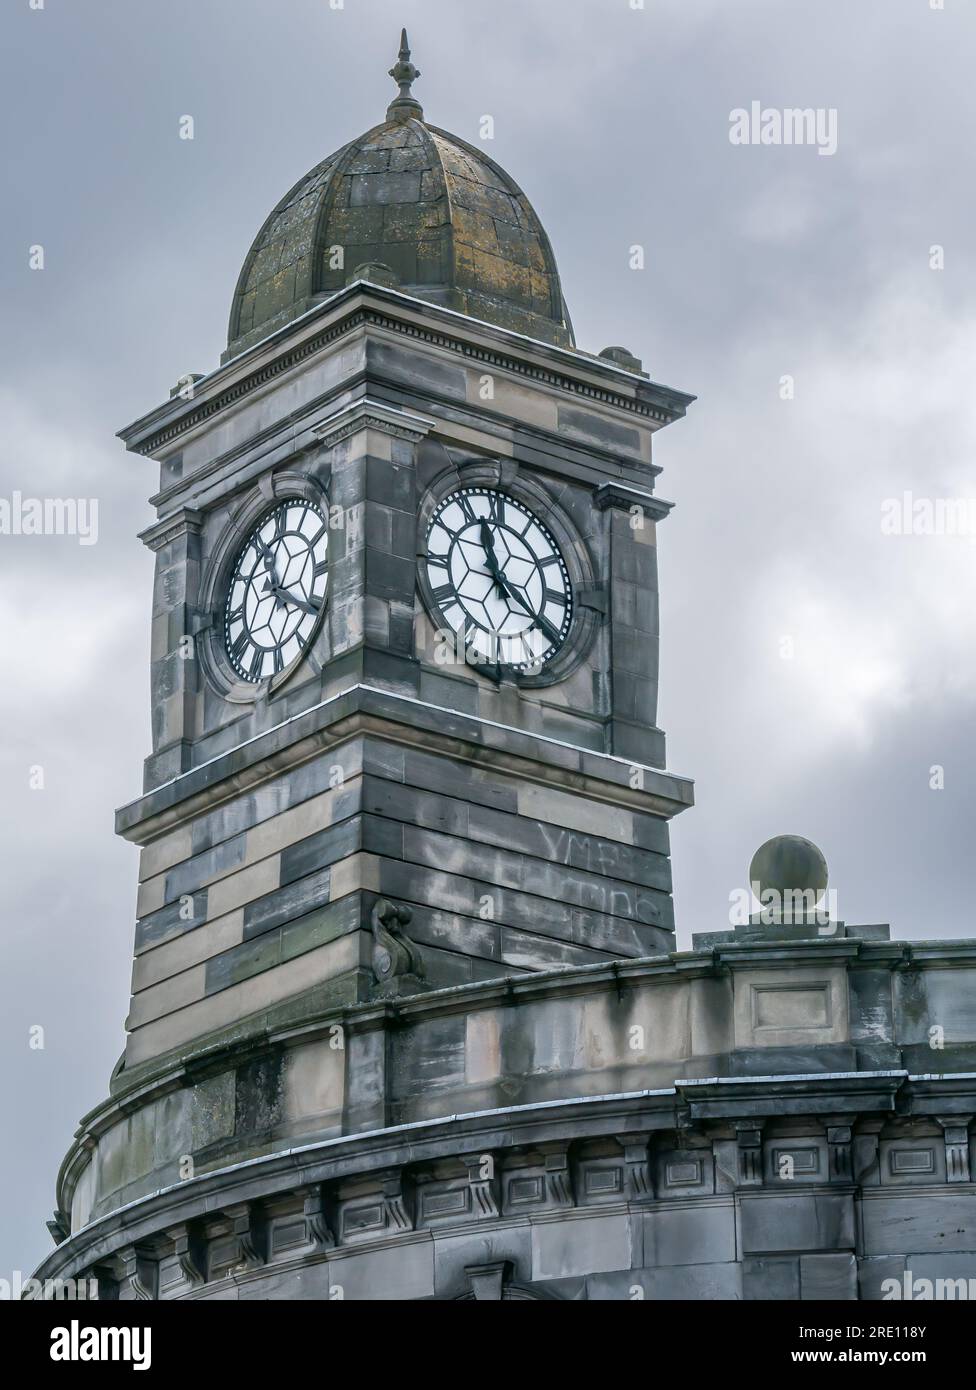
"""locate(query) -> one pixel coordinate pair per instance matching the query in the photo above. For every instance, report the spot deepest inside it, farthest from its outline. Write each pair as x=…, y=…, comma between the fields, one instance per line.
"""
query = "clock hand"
x=267, y=555
x=286, y=596
x=548, y=629
x=488, y=541
x=538, y=619
x=506, y=590
x=271, y=584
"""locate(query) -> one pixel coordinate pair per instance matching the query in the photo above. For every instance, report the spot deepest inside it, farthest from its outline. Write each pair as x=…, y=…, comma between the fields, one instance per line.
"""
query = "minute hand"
x=289, y=597
x=538, y=620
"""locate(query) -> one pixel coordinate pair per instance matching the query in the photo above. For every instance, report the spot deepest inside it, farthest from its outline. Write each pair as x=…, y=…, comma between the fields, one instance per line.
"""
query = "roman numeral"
x=555, y=596
x=496, y=504
x=240, y=646
x=321, y=567
x=279, y=660
x=444, y=593
x=464, y=502
x=257, y=662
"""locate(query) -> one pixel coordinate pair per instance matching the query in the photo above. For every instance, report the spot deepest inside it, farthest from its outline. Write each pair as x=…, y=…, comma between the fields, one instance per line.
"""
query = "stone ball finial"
x=789, y=864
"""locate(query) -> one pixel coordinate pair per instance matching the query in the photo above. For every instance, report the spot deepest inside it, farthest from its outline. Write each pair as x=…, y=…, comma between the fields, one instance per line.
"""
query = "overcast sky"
x=762, y=262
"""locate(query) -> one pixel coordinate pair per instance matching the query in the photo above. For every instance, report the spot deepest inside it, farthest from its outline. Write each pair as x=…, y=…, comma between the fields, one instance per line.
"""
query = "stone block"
x=771, y=1280
x=294, y=900
x=316, y=852
x=580, y=1246
x=702, y=1234
x=796, y=1222
x=399, y=1273
x=314, y=1081
x=828, y=1278
x=195, y=873
x=926, y=1224
x=172, y=921
x=212, y=1111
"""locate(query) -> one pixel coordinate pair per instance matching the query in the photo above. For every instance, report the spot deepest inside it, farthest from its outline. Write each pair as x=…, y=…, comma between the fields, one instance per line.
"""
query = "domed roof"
x=410, y=206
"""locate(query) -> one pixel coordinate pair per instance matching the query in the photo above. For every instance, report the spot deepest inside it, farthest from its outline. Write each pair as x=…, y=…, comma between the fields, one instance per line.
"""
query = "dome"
x=409, y=206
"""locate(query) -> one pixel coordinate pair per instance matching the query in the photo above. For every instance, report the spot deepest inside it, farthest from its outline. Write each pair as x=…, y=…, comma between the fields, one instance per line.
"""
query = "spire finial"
x=404, y=107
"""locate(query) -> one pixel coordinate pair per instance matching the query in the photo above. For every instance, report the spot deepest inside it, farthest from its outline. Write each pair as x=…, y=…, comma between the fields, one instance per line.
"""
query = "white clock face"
x=277, y=590
x=498, y=579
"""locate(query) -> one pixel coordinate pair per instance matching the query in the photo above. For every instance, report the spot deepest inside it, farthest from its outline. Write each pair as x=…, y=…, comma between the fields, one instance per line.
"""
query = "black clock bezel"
x=500, y=475
x=286, y=486
x=471, y=489
x=279, y=505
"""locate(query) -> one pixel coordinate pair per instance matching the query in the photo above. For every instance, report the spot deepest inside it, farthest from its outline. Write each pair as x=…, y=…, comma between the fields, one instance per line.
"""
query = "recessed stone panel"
x=790, y=1007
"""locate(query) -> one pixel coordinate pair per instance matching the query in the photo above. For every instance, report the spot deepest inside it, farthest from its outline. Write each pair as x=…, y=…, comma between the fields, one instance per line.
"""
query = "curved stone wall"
x=760, y=1120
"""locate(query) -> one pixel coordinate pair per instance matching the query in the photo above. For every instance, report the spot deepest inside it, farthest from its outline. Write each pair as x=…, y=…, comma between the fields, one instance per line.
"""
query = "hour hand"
x=271, y=583
x=267, y=555
x=488, y=541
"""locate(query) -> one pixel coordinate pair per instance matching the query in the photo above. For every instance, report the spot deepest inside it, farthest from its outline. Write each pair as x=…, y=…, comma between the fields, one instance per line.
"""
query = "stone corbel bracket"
x=955, y=1130
x=318, y=1233
x=396, y=960
x=484, y=1185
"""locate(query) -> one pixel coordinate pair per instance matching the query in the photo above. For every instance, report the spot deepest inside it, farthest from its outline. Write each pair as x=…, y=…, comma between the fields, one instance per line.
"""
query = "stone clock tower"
x=407, y=1019
x=404, y=724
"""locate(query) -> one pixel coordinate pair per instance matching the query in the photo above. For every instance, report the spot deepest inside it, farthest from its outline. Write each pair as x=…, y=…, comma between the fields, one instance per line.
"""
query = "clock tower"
x=405, y=618
x=407, y=1020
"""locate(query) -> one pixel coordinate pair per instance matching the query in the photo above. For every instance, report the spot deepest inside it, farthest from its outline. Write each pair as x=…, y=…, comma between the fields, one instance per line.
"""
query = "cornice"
x=187, y=521
x=741, y=1101
x=359, y=307
x=364, y=1153
x=375, y=415
x=614, y=494
x=818, y=1093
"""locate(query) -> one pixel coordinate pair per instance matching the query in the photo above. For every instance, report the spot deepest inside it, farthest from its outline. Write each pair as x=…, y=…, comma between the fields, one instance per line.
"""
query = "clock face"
x=498, y=578
x=277, y=590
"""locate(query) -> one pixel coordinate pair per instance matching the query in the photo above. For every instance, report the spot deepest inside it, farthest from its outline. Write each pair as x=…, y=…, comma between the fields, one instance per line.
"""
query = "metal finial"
x=405, y=106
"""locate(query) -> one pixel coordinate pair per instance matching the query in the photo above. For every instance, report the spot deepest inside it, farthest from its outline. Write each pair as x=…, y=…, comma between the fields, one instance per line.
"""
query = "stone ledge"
x=366, y=709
